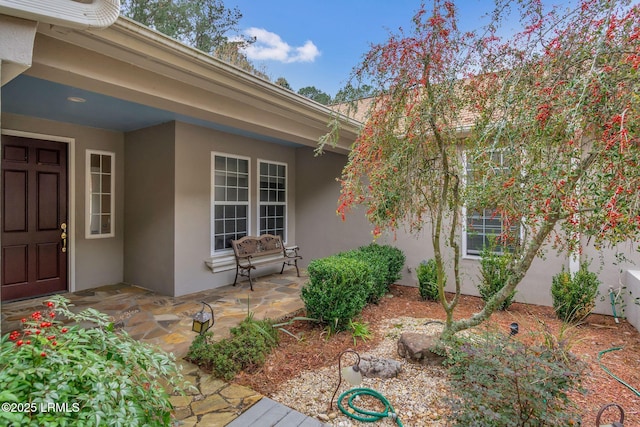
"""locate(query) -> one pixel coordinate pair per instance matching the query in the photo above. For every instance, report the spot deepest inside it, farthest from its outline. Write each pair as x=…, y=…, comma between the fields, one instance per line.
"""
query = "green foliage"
x=338, y=290
x=494, y=269
x=247, y=347
x=385, y=263
x=104, y=376
x=315, y=94
x=394, y=259
x=202, y=24
x=502, y=382
x=360, y=330
x=341, y=285
x=574, y=297
x=428, y=280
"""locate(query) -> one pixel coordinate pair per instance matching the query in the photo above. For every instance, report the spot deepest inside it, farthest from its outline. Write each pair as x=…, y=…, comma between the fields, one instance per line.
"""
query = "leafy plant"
x=337, y=291
x=360, y=330
x=247, y=347
x=101, y=376
x=494, y=270
x=574, y=297
x=394, y=259
x=428, y=280
x=500, y=381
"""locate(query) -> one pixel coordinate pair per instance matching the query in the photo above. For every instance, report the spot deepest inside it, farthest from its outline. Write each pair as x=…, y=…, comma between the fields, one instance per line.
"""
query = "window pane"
x=243, y=195
x=106, y=183
x=106, y=204
x=232, y=194
x=241, y=211
x=232, y=165
x=95, y=183
x=264, y=168
x=229, y=211
x=220, y=163
x=106, y=164
x=243, y=166
x=95, y=224
x=106, y=224
x=95, y=162
x=219, y=194
x=95, y=204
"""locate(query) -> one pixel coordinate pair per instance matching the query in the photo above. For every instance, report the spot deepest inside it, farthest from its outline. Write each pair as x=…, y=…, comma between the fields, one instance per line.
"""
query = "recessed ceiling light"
x=76, y=99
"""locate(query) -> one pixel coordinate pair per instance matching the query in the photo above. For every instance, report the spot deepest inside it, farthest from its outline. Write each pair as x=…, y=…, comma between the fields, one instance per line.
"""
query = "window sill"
x=221, y=263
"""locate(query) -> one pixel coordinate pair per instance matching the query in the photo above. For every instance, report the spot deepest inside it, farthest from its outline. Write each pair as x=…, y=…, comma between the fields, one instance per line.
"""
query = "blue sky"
x=317, y=43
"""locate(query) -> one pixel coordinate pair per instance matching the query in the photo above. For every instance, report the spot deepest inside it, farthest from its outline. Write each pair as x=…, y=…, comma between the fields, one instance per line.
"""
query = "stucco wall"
x=320, y=232
x=194, y=146
x=97, y=261
x=149, y=214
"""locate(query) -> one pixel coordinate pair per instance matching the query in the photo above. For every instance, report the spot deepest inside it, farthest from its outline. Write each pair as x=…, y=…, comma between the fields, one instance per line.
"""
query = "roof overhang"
x=78, y=14
x=139, y=66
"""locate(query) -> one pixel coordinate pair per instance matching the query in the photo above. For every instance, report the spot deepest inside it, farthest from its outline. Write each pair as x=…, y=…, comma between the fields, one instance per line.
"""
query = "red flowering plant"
x=52, y=373
x=539, y=127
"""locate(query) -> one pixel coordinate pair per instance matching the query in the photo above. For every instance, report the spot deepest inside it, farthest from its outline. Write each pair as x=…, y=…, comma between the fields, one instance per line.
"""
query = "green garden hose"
x=609, y=372
x=364, y=415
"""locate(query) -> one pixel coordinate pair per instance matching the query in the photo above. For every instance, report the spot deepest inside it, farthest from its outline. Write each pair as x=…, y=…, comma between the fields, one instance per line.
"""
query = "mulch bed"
x=596, y=334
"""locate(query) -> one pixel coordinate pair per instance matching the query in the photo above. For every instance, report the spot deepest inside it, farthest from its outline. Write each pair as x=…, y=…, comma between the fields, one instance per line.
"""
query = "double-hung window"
x=485, y=225
x=230, y=200
x=272, y=206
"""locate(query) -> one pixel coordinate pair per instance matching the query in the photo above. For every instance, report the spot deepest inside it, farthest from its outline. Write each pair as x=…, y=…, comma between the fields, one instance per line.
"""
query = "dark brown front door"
x=34, y=217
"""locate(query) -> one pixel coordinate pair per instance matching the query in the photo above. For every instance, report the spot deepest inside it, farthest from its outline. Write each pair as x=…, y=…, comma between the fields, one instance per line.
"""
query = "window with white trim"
x=272, y=206
x=100, y=201
x=483, y=226
x=230, y=210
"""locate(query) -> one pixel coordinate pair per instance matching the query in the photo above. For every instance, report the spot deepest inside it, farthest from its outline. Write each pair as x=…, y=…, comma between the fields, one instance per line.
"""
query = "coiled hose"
x=363, y=414
x=604, y=368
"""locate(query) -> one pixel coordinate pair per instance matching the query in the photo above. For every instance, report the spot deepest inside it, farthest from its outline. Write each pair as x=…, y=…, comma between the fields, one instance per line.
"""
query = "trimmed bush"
x=574, y=297
x=247, y=347
x=500, y=381
x=428, y=280
x=494, y=272
x=394, y=259
x=378, y=268
x=338, y=289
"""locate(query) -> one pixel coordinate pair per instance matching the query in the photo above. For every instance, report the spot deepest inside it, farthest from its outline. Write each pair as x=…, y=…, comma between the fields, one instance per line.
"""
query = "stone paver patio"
x=166, y=322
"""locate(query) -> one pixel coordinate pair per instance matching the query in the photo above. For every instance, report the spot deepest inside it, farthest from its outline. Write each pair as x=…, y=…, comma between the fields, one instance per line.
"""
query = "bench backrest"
x=267, y=244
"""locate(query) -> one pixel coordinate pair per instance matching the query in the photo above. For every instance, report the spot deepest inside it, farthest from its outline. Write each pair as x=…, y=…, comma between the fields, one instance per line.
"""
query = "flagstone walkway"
x=166, y=322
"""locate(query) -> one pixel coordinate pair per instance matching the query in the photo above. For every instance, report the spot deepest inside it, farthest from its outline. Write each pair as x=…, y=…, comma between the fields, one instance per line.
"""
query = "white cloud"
x=269, y=46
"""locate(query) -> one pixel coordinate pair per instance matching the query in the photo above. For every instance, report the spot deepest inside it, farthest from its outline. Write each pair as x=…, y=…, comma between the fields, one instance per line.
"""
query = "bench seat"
x=251, y=252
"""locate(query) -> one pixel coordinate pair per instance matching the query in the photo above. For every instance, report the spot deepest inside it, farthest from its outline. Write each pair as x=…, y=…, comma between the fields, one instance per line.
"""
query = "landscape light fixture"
x=513, y=329
x=203, y=321
x=350, y=373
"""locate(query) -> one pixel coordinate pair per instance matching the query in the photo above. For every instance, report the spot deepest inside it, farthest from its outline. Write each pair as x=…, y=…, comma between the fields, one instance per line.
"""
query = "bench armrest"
x=291, y=251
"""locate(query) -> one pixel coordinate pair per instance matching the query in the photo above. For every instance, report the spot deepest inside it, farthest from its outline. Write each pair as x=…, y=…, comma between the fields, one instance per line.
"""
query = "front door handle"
x=63, y=236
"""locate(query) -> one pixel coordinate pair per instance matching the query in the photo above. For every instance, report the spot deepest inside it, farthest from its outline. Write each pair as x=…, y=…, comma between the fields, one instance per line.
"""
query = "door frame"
x=71, y=195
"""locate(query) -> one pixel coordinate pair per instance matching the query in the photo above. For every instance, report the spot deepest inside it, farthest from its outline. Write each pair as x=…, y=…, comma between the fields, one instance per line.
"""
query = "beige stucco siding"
x=320, y=232
x=194, y=146
x=149, y=213
x=96, y=261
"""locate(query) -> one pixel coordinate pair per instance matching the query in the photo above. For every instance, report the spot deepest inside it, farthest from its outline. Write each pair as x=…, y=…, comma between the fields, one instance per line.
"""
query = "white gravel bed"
x=416, y=394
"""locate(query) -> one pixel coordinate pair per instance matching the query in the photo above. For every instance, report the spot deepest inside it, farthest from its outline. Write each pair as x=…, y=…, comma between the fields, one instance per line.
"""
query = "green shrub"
x=100, y=375
x=378, y=269
x=428, y=280
x=338, y=289
x=394, y=259
x=500, y=381
x=247, y=347
x=574, y=297
x=494, y=274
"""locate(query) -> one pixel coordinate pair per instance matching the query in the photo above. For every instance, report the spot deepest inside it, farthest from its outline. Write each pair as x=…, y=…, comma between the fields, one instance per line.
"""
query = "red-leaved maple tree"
x=541, y=129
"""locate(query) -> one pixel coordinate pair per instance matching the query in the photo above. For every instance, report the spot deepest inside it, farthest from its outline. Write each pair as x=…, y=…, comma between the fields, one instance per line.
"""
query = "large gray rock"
x=416, y=347
x=371, y=366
